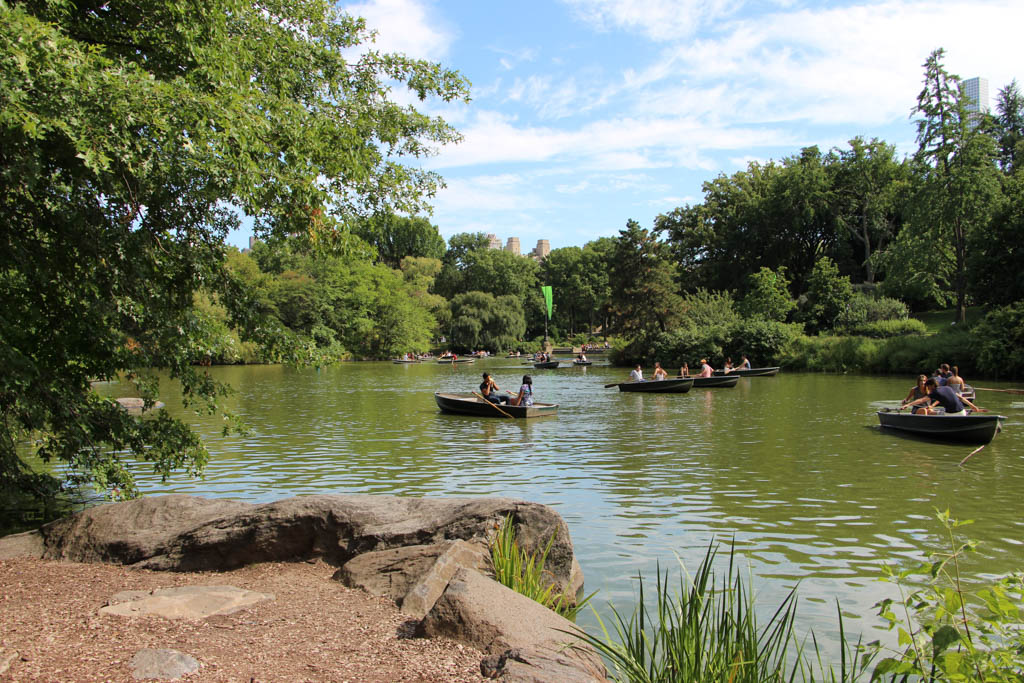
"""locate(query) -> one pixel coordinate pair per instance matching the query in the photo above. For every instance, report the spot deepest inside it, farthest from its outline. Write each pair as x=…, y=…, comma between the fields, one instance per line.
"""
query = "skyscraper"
x=976, y=90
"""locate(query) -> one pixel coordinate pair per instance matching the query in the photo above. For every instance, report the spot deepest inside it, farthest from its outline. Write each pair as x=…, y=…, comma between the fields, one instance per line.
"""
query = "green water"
x=793, y=467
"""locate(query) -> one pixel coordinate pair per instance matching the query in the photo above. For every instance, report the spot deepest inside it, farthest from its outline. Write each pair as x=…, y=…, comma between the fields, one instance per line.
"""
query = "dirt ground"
x=315, y=629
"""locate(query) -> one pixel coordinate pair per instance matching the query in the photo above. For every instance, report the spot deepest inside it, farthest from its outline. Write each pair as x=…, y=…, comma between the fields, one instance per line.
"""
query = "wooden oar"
x=613, y=384
x=1005, y=391
x=493, y=404
x=972, y=453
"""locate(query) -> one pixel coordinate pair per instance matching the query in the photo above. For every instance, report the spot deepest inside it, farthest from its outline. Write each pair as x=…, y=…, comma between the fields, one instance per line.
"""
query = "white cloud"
x=405, y=26
x=657, y=19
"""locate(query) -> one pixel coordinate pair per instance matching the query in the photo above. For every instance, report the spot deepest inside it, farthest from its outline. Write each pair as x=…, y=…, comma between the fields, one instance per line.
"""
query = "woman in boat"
x=917, y=392
x=944, y=396
x=525, y=397
x=659, y=372
x=684, y=371
x=705, y=369
x=728, y=365
x=490, y=391
x=744, y=364
x=955, y=381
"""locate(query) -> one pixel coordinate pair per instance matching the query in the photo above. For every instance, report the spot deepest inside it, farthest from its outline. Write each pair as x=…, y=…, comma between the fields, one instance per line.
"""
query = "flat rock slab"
x=183, y=602
x=164, y=665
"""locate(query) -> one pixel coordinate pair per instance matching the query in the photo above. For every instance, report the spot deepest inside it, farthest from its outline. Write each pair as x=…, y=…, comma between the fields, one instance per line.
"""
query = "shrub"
x=1000, y=337
x=828, y=293
x=687, y=345
x=765, y=341
x=863, y=309
x=883, y=329
x=705, y=308
x=767, y=295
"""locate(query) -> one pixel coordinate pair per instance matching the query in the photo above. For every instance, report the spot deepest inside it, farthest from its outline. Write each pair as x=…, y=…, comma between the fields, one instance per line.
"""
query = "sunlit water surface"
x=793, y=469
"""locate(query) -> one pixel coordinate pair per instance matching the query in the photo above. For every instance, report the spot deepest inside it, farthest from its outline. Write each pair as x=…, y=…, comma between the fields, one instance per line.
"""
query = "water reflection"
x=793, y=469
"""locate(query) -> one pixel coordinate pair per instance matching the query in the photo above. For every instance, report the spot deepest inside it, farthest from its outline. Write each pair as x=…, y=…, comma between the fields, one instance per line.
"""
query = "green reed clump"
x=524, y=572
x=708, y=631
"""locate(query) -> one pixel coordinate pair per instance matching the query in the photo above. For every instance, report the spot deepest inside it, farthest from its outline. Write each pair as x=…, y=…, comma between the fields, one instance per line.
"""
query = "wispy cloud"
x=405, y=26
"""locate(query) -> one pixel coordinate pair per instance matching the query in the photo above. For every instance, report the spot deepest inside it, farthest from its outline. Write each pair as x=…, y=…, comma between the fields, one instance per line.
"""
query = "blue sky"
x=588, y=113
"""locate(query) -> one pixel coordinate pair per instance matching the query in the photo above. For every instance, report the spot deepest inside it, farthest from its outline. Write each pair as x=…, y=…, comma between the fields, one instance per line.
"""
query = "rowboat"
x=582, y=362
x=675, y=385
x=401, y=361
x=973, y=428
x=750, y=372
x=546, y=365
x=470, y=404
x=715, y=381
x=457, y=360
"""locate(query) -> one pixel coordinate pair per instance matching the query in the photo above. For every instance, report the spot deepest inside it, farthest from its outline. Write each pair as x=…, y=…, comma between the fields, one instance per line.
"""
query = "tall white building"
x=976, y=90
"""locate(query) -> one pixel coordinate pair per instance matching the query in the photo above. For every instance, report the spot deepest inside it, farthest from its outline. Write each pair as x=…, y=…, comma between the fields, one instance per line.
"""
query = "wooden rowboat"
x=457, y=360
x=715, y=381
x=582, y=362
x=546, y=365
x=974, y=428
x=402, y=361
x=470, y=404
x=675, y=385
x=750, y=372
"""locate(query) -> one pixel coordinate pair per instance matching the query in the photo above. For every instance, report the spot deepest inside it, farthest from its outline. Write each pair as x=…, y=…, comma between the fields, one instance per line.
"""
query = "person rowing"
x=490, y=391
x=951, y=402
x=637, y=375
x=744, y=364
x=917, y=392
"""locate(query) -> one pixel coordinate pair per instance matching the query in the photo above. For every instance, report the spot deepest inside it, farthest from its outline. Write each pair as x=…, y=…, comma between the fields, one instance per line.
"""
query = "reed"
x=524, y=572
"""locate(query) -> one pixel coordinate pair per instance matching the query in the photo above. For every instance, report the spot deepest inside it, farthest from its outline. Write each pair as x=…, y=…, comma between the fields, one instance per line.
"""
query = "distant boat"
x=546, y=365
x=750, y=372
x=716, y=381
x=577, y=361
x=673, y=385
x=404, y=360
x=470, y=404
x=974, y=428
x=457, y=360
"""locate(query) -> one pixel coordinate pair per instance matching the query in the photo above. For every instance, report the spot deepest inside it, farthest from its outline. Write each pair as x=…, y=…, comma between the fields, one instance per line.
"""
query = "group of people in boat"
x=490, y=391
x=944, y=389
x=637, y=374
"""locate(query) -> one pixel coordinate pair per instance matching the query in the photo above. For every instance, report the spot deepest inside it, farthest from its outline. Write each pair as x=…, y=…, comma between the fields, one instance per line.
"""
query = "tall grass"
x=524, y=572
x=709, y=631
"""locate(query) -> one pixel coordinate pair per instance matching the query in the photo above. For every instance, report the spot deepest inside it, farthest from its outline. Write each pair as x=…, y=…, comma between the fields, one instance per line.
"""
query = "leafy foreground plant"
x=709, y=631
x=524, y=572
x=948, y=633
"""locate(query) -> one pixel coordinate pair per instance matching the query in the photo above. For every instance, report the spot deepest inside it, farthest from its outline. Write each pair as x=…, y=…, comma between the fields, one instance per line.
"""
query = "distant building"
x=976, y=90
x=513, y=246
x=541, y=251
x=492, y=241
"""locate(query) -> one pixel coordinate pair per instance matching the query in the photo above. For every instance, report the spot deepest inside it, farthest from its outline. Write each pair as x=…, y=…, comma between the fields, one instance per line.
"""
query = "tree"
x=397, y=237
x=867, y=181
x=767, y=296
x=130, y=134
x=644, y=295
x=828, y=293
x=451, y=280
x=1010, y=127
x=957, y=181
x=481, y=320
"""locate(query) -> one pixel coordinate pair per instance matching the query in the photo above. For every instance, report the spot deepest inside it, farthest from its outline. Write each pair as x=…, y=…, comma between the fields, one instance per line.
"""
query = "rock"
x=6, y=657
x=137, y=406
x=529, y=666
x=188, y=533
x=183, y=602
x=166, y=665
x=484, y=614
x=413, y=576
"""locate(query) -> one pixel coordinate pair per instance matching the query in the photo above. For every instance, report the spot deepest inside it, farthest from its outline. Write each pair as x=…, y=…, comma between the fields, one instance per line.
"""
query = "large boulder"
x=480, y=612
x=188, y=533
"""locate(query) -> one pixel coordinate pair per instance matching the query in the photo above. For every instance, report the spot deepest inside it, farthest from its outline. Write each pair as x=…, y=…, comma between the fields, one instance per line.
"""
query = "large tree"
x=397, y=237
x=645, y=298
x=1010, y=127
x=129, y=132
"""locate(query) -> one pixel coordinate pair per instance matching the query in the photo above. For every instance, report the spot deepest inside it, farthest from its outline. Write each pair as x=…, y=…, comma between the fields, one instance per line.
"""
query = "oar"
x=1006, y=391
x=972, y=453
x=613, y=384
x=493, y=404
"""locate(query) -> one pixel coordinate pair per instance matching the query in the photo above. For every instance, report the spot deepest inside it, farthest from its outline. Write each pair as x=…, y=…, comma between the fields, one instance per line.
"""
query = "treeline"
x=778, y=261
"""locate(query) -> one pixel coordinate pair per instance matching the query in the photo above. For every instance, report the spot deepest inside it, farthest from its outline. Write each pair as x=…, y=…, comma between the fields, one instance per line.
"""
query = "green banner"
x=547, y=298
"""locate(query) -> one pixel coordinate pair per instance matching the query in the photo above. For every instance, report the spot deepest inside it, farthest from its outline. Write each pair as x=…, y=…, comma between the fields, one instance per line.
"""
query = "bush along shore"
x=435, y=559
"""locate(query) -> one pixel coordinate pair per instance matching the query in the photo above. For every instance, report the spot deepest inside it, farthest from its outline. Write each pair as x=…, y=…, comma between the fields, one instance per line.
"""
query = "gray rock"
x=188, y=533
x=413, y=576
x=183, y=602
x=529, y=666
x=165, y=665
x=484, y=614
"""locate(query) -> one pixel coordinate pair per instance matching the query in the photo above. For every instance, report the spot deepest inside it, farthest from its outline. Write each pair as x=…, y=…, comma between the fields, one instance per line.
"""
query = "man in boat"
x=945, y=397
x=490, y=391
x=637, y=375
x=744, y=364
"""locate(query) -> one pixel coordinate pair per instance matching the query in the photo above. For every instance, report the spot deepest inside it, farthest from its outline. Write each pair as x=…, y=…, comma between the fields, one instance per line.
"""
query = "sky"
x=588, y=113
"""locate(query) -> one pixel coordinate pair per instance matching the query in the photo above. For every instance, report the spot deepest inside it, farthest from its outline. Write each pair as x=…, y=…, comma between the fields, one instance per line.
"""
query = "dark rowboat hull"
x=729, y=380
x=404, y=362
x=750, y=372
x=468, y=404
x=549, y=365
x=661, y=386
x=581, y=362
x=457, y=360
x=973, y=428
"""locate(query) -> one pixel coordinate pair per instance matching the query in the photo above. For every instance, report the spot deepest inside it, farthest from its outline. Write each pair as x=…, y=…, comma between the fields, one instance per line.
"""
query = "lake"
x=792, y=468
